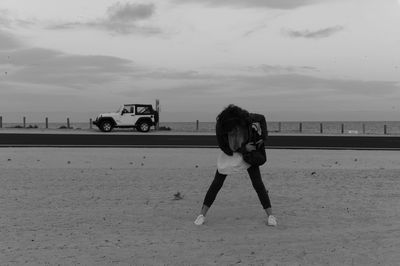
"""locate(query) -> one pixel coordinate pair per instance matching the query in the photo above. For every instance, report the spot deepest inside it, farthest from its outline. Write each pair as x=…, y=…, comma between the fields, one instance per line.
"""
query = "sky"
x=291, y=60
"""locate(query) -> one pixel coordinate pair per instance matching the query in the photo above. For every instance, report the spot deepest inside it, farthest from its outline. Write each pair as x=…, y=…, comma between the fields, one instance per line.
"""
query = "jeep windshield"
x=120, y=109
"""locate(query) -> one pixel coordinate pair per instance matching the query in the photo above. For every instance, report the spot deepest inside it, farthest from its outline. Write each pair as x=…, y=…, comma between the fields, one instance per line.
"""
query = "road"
x=87, y=139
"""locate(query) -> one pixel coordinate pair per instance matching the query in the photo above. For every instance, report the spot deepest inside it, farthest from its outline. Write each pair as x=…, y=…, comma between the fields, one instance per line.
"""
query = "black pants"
x=255, y=176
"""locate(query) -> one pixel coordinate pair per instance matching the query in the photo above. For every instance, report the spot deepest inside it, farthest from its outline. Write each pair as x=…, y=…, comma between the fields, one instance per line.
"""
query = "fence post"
x=90, y=123
x=68, y=122
x=158, y=114
x=342, y=128
x=197, y=125
x=47, y=122
x=385, y=129
x=1, y=122
x=321, y=129
x=24, y=121
x=301, y=127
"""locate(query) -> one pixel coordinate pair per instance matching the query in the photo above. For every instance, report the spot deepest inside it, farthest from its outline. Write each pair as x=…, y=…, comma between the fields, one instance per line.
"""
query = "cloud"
x=318, y=34
x=275, y=4
x=259, y=85
x=53, y=68
x=5, y=20
x=262, y=93
x=8, y=21
x=8, y=41
x=278, y=69
x=130, y=12
x=120, y=19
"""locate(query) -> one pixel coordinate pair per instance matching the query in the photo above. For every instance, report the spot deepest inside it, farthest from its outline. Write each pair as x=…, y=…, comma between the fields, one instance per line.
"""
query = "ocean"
x=327, y=127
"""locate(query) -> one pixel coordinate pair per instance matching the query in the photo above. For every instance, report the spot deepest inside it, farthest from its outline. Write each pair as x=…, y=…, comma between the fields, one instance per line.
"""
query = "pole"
x=321, y=128
x=1, y=122
x=47, y=122
x=342, y=128
x=279, y=127
x=197, y=125
x=24, y=121
x=301, y=127
x=385, y=129
x=90, y=123
x=68, y=122
x=158, y=113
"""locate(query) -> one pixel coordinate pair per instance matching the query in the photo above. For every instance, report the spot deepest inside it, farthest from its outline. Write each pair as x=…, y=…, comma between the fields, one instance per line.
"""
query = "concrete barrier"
x=191, y=141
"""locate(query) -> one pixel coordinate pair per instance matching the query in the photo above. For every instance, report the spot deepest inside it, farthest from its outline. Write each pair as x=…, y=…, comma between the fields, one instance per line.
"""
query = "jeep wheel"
x=144, y=126
x=106, y=126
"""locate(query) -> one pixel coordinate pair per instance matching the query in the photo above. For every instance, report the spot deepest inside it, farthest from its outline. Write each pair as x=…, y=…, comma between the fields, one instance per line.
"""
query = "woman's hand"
x=250, y=147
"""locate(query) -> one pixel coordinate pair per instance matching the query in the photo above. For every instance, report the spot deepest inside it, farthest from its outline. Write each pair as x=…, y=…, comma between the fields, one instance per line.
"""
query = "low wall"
x=190, y=141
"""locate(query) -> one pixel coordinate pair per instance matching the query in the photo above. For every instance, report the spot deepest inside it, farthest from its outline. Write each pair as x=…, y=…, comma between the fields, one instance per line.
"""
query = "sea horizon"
x=312, y=127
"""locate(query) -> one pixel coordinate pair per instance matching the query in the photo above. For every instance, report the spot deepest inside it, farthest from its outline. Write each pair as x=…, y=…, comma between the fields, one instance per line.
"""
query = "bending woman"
x=240, y=136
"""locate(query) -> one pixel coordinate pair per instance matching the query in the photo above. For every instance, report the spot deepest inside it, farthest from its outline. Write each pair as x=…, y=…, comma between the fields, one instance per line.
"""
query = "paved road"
x=20, y=139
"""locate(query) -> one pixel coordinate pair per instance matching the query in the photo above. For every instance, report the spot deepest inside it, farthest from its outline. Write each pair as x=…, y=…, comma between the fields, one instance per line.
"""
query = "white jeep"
x=139, y=116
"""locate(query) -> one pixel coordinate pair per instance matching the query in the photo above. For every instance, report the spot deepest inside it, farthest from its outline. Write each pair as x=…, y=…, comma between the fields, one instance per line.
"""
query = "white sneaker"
x=200, y=220
x=272, y=220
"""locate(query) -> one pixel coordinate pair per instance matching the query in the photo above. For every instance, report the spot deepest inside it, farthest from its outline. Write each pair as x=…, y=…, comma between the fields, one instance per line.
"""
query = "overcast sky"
x=287, y=59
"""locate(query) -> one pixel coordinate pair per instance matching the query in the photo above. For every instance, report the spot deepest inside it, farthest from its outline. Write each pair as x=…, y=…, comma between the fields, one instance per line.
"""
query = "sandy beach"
x=116, y=206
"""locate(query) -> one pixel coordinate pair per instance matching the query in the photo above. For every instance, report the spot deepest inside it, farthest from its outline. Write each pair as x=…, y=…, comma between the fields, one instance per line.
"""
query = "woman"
x=240, y=136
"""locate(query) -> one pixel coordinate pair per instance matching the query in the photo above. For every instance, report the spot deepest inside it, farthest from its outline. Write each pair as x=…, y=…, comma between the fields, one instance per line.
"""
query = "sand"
x=106, y=206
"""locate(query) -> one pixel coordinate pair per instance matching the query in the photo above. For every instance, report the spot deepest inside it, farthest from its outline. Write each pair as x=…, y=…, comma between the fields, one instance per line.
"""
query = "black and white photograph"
x=200, y=132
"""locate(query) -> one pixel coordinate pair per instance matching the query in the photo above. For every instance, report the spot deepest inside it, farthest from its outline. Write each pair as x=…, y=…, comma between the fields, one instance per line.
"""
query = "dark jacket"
x=257, y=134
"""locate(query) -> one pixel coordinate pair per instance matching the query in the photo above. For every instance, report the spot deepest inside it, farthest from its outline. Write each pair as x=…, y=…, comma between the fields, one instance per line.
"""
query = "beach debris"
x=142, y=164
x=164, y=128
x=336, y=162
x=178, y=196
x=313, y=173
x=144, y=157
x=69, y=162
x=197, y=166
x=353, y=131
x=9, y=159
x=356, y=160
x=131, y=163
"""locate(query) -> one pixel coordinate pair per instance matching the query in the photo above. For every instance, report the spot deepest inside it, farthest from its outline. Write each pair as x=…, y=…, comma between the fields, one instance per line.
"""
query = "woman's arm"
x=254, y=154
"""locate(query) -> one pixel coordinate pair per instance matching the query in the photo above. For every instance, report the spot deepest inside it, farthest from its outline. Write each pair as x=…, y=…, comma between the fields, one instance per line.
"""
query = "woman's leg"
x=212, y=192
x=255, y=176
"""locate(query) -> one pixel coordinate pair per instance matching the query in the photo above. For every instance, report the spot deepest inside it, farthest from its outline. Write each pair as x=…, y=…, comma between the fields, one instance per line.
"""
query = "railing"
x=44, y=124
x=385, y=128
x=353, y=128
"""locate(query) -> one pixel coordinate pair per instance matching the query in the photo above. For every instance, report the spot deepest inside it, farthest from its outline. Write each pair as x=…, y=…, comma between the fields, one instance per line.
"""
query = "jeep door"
x=128, y=117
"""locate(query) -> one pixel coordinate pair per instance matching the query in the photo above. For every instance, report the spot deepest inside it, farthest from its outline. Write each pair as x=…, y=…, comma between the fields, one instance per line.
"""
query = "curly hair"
x=233, y=116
